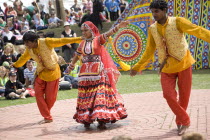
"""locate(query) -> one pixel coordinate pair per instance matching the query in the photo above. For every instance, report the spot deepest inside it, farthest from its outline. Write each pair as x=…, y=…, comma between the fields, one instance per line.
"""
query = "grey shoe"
x=183, y=129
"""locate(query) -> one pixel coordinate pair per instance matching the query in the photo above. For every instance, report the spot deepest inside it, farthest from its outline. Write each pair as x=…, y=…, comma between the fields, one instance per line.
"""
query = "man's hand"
x=11, y=65
x=133, y=72
x=69, y=45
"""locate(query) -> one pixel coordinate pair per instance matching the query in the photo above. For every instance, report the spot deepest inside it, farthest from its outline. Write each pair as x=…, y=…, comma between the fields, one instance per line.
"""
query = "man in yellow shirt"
x=167, y=36
x=48, y=72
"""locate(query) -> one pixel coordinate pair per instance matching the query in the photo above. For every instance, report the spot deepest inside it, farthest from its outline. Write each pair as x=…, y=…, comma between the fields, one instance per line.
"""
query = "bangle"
x=71, y=66
x=116, y=28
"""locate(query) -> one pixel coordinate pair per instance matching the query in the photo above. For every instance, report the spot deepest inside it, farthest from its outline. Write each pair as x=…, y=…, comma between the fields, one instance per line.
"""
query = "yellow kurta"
x=173, y=65
x=47, y=75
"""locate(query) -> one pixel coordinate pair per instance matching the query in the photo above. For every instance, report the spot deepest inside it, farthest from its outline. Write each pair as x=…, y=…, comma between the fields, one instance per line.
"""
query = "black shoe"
x=178, y=127
x=87, y=125
x=101, y=125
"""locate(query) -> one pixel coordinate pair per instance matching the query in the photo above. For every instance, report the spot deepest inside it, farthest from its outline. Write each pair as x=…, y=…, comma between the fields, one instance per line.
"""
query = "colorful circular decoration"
x=121, y=47
x=128, y=44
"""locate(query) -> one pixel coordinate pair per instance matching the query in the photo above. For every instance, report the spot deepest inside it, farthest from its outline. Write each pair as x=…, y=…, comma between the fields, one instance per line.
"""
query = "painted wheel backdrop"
x=128, y=44
x=139, y=15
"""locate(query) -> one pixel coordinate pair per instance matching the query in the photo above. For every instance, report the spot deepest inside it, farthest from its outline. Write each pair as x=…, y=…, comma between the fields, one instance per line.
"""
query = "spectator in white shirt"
x=29, y=73
x=54, y=21
x=39, y=23
x=8, y=35
x=24, y=27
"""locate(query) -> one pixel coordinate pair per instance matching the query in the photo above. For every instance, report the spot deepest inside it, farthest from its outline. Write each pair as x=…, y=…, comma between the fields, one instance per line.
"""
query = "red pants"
x=178, y=106
x=46, y=93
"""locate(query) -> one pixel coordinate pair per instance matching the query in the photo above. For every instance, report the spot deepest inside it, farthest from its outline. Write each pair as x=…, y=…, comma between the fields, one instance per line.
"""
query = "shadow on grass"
x=202, y=71
x=143, y=72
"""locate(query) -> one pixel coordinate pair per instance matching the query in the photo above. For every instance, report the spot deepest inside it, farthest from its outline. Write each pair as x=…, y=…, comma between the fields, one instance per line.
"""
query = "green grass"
x=149, y=81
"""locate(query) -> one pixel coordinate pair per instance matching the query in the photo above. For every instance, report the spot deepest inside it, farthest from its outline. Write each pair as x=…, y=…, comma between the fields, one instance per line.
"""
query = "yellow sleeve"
x=58, y=42
x=148, y=54
x=186, y=26
x=22, y=60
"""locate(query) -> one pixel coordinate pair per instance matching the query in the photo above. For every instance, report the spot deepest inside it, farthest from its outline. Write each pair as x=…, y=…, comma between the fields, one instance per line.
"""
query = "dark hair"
x=29, y=61
x=33, y=3
x=159, y=4
x=30, y=36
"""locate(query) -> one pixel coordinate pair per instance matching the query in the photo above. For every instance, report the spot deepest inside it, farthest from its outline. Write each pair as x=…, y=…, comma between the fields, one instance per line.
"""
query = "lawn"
x=146, y=82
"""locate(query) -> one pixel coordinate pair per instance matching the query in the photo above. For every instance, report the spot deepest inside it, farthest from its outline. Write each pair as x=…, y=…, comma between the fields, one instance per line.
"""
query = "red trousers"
x=46, y=93
x=179, y=106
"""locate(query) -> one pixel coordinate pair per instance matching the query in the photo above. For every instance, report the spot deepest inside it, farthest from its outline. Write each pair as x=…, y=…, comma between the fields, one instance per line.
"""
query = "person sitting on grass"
x=13, y=88
x=3, y=80
x=9, y=54
x=54, y=21
x=29, y=74
x=72, y=77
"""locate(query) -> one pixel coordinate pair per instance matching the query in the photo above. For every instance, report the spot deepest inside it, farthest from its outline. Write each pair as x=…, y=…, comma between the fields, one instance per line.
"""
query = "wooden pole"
x=62, y=12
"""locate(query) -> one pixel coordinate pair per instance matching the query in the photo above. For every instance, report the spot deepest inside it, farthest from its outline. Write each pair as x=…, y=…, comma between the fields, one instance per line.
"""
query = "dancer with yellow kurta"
x=48, y=72
x=167, y=36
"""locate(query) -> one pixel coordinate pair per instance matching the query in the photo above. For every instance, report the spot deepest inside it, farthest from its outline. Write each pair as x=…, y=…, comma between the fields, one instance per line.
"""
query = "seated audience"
x=39, y=24
x=8, y=55
x=6, y=9
x=72, y=77
x=1, y=46
x=24, y=27
x=11, y=13
x=8, y=35
x=2, y=24
x=28, y=18
x=20, y=70
x=1, y=13
x=86, y=17
x=18, y=4
x=13, y=88
x=29, y=74
x=10, y=26
x=17, y=24
x=54, y=21
x=63, y=85
x=45, y=19
x=3, y=80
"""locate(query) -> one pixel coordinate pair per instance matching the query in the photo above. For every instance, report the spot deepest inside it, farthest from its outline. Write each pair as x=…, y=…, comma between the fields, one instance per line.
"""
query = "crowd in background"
x=15, y=20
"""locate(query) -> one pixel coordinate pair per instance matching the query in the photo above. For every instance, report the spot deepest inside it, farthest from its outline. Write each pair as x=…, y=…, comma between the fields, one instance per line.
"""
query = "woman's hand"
x=123, y=24
x=69, y=68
